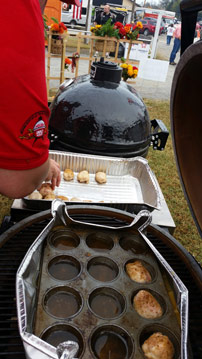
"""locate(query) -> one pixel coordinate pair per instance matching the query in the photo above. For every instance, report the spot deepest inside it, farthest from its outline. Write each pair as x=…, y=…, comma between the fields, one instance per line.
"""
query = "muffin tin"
x=85, y=294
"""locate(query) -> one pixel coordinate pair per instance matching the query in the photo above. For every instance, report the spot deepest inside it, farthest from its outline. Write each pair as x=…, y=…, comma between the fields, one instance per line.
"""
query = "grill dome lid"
x=100, y=114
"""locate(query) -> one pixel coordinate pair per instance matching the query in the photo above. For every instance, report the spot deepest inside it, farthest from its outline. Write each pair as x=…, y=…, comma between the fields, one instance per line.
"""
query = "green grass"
x=72, y=42
x=163, y=165
x=5, y=204
x=160, y=57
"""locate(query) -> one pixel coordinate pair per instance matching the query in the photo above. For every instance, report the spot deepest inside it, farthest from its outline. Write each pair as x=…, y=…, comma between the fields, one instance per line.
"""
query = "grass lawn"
x=163, y=165
x=72, y=42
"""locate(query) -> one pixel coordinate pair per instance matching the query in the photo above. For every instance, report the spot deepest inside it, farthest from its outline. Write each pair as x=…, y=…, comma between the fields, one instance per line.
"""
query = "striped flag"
x=77, y=7
x=77, y=11
x=81, y=8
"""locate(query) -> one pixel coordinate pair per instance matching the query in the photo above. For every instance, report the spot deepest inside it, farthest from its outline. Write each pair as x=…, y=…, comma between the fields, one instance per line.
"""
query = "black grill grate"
x=195, y=297
x=11, y=255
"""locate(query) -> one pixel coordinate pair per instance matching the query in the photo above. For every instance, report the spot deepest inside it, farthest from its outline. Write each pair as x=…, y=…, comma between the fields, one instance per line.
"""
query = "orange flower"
x=139, y=25
x=127, y=28
x=55, y=27
x=61, y=28
x=67, y=61
x=61, y=24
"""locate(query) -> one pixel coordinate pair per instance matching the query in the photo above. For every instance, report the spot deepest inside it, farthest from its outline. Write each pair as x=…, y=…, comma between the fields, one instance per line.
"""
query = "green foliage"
x=106, y=30
x=151, y=5
x=164, y=4
x=46, y=28
x=174, y=6
x=134, y=34
x=55, y=20
x=171, y=5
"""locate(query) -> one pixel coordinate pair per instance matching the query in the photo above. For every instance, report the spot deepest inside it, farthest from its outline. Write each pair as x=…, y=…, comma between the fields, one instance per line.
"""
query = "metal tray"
x=40, y=318
x=131, y=185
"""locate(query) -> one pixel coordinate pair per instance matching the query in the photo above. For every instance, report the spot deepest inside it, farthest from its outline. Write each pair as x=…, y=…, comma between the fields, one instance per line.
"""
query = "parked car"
x=149, y=27
x=162, y=27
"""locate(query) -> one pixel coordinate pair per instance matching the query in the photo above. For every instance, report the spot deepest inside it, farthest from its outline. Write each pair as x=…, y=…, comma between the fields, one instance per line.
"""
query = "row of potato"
x=46, y=191
x=157, y=346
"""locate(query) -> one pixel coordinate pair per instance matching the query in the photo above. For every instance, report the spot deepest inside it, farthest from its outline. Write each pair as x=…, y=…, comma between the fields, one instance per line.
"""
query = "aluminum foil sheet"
x=37, y=284
x=131, y=185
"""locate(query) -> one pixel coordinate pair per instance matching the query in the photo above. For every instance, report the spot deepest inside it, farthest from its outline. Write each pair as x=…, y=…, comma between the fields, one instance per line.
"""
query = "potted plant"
x=129, y=31
x=129, y=71
x=67, y=63
x=106, y=30
x=58, y=30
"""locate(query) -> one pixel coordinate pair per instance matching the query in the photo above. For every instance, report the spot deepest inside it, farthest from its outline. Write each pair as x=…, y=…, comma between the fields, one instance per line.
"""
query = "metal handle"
x=65, y=84
x=67, y=350
x=140, y=221
x=183, y=298
x=159, y=135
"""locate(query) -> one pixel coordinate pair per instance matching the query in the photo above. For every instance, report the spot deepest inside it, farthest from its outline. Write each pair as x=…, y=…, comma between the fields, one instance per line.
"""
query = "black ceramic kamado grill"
x=100, y=114
x=17, y=239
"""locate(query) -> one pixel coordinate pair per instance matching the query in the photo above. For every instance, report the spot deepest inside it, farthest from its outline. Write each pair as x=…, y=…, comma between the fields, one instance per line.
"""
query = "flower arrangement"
x=67, y=63
x=57, y=28
x=129, y=31
x=107, y=29
x=46, y=28
x=75, y=57
x=129, y=71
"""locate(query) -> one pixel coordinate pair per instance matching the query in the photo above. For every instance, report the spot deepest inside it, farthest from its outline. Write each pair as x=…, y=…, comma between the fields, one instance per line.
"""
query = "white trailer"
x=74, y=15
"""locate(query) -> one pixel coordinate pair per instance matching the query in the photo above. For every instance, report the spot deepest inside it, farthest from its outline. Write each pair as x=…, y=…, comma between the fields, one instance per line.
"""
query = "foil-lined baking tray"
x=96, y=257
x=131, y=185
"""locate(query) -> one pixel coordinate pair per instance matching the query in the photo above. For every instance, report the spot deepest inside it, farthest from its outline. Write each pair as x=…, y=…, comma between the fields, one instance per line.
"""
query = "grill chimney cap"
x=105, y=71
x=106, y=64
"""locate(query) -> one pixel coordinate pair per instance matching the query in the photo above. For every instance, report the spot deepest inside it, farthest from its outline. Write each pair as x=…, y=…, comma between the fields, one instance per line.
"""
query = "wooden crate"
x=56, y=46
x=92, y=40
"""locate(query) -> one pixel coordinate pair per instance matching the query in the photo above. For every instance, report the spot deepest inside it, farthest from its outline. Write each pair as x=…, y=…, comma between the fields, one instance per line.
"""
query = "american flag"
x=77, y=7
x=77, y=11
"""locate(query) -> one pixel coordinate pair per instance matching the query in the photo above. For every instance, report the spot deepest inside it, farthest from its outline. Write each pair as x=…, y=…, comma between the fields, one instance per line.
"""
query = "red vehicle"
x=149, y=26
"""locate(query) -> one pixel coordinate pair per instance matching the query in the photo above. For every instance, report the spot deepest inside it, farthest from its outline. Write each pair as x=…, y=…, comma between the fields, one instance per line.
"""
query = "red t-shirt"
x=24, y=108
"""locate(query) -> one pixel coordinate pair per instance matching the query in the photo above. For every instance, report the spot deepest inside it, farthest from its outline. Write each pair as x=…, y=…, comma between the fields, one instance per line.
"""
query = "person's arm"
x=54, y=175
x=16, y=180
x=97, y=19
x=113, y=19
x=18, y=184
